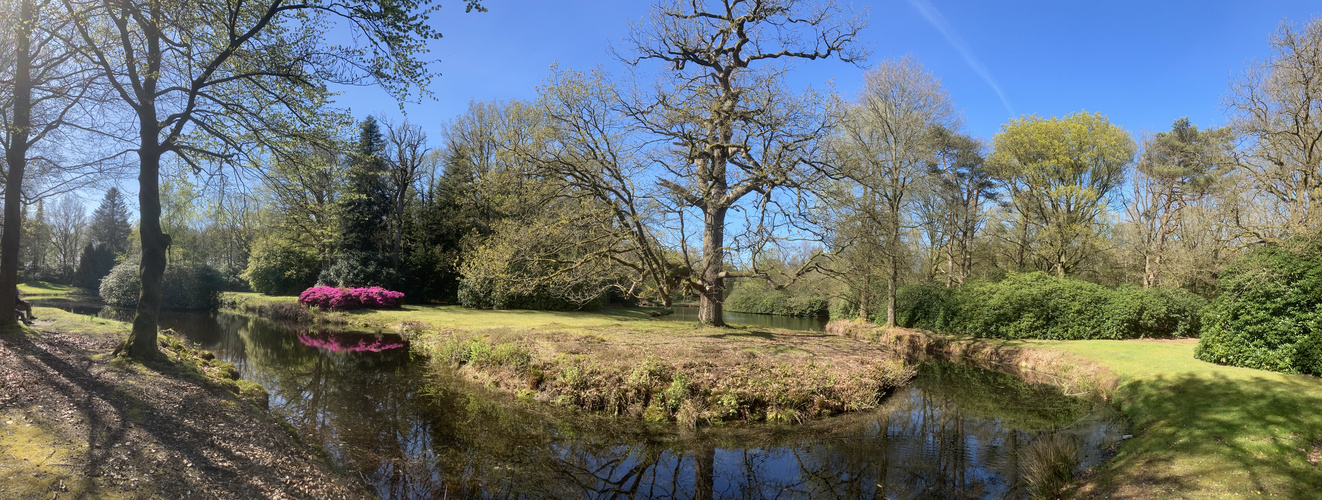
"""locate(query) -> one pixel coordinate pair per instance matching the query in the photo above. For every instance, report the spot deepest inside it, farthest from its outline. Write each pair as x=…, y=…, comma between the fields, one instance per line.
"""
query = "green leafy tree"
x=884, y=149
x=110, y=223
x=1177, y=168
x=217, y=83
x=108, y=239
x=365, y=205
x=1059, y=174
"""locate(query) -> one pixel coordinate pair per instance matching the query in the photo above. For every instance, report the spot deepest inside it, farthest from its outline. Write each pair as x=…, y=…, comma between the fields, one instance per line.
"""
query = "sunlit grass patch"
x=1204, y=430
x=45, y=290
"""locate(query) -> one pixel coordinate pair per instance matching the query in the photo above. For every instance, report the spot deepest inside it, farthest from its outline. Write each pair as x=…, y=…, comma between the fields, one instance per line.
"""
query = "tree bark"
x=155, y=243
x=892, y=282
x=863, y=312
x=16, y=153
x=141, y=344
x=713, y=257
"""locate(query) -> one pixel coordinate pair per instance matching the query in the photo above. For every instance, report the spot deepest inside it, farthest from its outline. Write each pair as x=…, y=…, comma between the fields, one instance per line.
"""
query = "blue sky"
x=1142, y=63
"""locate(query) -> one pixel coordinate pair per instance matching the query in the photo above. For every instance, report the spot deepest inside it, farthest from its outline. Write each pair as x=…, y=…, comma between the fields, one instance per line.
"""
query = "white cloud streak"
x=939, y=22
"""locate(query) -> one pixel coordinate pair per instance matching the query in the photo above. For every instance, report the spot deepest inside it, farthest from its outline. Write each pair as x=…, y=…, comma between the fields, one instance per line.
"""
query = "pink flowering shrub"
x=342, y=299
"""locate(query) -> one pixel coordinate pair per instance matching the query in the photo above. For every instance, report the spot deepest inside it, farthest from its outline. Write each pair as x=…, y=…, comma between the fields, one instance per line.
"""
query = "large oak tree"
x=733, y=128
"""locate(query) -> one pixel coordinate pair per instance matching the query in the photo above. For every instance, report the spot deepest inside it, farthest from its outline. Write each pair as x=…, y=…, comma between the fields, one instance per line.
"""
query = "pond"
x=812, y=323
x=956, y=432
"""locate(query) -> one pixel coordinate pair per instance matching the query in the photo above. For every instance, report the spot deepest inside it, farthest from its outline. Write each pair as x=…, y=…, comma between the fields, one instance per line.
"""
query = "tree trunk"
x=713, y=256
x=142, y=341
x=863, y=312
x=16, y=153
x=892, y=282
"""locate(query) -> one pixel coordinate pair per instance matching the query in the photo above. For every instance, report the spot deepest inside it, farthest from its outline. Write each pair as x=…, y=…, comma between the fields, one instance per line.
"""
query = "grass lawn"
x=44, y=290
x=1204, y=430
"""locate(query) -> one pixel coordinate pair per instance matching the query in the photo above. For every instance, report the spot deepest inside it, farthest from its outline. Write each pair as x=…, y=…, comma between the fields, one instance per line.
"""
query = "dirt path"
x=75, y=423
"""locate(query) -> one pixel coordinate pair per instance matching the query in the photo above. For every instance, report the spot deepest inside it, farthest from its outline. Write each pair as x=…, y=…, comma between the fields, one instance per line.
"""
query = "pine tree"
x=109, y=231
x=366, y=203
x=110, y=223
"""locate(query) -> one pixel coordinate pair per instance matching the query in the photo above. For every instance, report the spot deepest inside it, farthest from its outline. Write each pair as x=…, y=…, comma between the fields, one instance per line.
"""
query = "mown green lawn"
x=1204, y=430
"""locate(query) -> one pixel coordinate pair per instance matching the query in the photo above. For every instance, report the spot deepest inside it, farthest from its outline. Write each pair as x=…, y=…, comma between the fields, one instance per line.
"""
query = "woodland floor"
x=78, y=423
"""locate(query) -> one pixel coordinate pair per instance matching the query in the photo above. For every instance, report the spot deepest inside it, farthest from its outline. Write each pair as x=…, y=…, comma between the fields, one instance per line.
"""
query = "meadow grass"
x=1204, y=430
x=42, y=289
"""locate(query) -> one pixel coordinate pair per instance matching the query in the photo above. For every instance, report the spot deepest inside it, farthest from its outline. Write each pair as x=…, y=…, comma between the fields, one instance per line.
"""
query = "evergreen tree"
x=110, y=231
x=366, y=205
x=110, y=223
x=364, y=256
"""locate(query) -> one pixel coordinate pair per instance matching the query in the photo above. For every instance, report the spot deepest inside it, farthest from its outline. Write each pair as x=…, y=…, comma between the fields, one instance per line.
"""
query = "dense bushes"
x=279, y=269
x=1036, y=305
x=755, y=296
x=489, y=294
x=185, y=287
x=342, y=299
x=1268, y=314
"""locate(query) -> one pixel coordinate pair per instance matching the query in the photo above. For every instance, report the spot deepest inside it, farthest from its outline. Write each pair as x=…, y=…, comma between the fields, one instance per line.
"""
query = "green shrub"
x=359, y=269
x=185, y=287
x=279, y=269
x=751, y=296
x=1037, y=305
x=487, y=294
x=1268, y=313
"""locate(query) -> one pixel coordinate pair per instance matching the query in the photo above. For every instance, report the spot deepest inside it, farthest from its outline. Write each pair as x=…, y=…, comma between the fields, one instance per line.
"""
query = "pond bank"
x=623, y=362
x=1200, y=430
x=75, y=422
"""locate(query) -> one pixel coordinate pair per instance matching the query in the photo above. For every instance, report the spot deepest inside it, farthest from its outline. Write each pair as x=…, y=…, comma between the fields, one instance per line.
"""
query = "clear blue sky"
x=1142, y=63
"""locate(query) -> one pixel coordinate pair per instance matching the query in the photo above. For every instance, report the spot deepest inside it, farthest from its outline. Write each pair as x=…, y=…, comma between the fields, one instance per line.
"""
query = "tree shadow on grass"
x=111, y=411
x=1204, y=434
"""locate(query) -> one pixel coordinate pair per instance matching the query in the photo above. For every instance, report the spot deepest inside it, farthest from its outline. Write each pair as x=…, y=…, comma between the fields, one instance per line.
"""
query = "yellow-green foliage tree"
x=1059, y=173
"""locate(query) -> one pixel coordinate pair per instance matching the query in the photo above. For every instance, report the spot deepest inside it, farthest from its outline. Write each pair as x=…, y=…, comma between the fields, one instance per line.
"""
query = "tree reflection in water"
x=412, y=433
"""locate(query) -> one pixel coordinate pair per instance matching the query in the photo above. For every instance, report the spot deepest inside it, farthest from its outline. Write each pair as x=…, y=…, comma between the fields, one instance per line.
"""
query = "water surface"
x=956, y=432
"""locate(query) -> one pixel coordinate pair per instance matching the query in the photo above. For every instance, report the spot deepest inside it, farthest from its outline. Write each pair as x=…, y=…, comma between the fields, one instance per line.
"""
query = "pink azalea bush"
x=342, y=299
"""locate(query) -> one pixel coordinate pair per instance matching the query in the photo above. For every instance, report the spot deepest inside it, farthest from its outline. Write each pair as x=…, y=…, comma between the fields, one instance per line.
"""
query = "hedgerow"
x=1039, y=306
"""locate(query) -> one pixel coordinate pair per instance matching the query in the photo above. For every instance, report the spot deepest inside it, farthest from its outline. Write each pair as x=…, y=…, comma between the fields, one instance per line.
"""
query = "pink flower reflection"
x=340, y=342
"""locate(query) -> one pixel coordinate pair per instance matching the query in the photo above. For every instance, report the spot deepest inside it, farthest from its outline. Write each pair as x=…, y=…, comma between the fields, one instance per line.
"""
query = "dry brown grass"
x=675, y=371
x=1073, y=374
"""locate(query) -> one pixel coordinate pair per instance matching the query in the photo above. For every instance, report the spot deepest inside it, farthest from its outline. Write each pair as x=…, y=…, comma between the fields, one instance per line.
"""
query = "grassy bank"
x=1201, y=430
x=624, y=362
x=76, y=422
x=1204, y=430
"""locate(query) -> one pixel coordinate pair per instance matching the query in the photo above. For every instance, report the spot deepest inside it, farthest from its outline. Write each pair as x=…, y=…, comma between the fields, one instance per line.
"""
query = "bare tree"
x=68, y=221
x=42, y=85
x=407, y=158
x=1276, y=105
x=885, y=147
x=722, y=105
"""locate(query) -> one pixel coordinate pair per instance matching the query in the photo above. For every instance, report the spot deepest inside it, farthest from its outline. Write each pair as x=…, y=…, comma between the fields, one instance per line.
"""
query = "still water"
x=814, y=324
x=956, y=432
